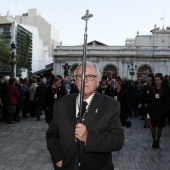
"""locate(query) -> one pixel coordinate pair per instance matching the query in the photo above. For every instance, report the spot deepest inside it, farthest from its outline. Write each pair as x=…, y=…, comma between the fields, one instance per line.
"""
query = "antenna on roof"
x=8, y=9
x=163, y=22
x=7, y=14
x=163, y=19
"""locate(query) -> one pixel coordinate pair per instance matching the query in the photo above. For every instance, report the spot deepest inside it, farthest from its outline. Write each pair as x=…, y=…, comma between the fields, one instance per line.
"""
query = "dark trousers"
x=123, y=118
x=4, y=113
x=10, y=117
x=16, y=114
x=32, y=108
x=48, y=114
x=39, y=109
x=26, y=107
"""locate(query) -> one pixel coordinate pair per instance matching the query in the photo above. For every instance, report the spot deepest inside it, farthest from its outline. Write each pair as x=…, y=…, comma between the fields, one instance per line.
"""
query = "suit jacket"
x=105, y=133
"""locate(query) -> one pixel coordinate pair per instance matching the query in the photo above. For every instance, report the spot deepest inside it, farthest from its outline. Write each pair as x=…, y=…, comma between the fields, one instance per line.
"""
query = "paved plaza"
x=23, y=147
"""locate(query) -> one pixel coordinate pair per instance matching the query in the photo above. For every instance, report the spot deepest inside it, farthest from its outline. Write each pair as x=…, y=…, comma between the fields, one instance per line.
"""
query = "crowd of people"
x=149, y=98
x=21, y=98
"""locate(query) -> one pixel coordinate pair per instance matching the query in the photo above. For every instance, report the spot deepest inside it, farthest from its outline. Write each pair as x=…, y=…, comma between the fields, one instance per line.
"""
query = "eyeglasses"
x=89, y=77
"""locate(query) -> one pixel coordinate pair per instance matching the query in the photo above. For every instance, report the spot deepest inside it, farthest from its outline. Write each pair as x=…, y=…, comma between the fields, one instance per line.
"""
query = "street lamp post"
x=13, y=62
x=132, y=68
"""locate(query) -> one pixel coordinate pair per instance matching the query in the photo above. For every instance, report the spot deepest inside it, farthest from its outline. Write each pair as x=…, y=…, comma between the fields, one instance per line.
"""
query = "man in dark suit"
x=100, y=133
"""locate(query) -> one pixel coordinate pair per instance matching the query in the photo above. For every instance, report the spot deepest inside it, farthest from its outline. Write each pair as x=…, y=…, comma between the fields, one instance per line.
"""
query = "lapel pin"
x=96, y=110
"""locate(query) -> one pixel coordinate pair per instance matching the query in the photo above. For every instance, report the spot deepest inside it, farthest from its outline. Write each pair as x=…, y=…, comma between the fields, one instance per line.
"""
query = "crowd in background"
x=132, y=95
x=149, y=99
x=30, y=97
x=20, y=98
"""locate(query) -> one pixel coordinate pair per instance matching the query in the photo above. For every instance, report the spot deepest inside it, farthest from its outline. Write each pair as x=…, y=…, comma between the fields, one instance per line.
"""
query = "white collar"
x=89, y=99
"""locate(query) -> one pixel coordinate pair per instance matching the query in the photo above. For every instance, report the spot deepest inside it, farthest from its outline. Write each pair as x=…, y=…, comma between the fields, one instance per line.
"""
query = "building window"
x=110, y=68
x=6, y=31
x=109, y=72
x=143, y=72
x=144, y=68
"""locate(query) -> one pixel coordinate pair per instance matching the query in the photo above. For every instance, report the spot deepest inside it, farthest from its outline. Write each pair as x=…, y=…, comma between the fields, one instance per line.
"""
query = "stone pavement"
x=23, y=147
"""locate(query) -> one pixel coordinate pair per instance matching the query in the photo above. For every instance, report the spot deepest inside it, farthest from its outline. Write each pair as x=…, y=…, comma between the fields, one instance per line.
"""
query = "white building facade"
x=48, y=34
x=144, y=52
x=40, y=53
x=45, y=37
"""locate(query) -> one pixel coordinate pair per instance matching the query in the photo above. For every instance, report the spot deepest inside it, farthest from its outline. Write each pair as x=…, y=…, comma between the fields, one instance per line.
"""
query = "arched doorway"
x=109, y=72
x=143, y=71
x=72, y=69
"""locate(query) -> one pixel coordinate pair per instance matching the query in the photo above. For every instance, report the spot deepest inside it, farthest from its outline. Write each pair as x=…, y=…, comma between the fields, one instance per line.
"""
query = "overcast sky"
x=113, y=20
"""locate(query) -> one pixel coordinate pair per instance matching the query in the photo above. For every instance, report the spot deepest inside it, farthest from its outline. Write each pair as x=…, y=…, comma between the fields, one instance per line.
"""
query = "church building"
x=140, y=55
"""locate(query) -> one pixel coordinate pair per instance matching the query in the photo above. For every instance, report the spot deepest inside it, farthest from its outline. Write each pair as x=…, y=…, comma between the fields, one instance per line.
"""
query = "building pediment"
x=96, y=43
x=160, y=31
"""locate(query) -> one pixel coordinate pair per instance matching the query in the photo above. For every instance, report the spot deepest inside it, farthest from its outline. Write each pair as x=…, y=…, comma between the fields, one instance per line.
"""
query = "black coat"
x=49, y=97
x=21, y=96
x=122, y=97
x=4, y=89
x=105, y=133
x=110, y=90
x=61, y=90
x=158, y=108
x=102, y=89
x=40, y=95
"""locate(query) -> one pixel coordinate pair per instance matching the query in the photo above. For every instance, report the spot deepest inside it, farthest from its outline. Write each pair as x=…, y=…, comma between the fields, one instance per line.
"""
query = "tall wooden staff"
x=86, y=18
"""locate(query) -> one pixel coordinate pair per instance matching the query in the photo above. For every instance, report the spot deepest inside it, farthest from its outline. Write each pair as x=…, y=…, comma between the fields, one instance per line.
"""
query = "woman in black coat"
x=52, y=94
x=102, y=87
x=121, y=95
x=157, y=103
x=149, y=84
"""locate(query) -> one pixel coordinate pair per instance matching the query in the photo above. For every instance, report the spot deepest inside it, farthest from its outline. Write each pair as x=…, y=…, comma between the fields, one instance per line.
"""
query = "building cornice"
x=112, y=51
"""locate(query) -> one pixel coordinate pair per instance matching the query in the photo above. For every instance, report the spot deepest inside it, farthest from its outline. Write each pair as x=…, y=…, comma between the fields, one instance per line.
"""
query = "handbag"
x=149, y=122
x=128, y=124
